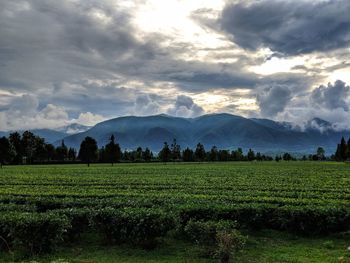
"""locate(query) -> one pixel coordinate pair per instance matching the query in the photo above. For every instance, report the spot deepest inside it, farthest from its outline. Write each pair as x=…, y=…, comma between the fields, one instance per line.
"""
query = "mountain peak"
x=319, y=124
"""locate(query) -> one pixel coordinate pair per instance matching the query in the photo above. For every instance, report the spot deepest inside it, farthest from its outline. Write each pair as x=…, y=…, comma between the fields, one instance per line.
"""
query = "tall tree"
x=16, y=142
x=113, y=151
x=287, y=157
x=39, y=149
x=187, y=155
x=213, y=154
x=5, y=151
x=50, y=152
x=237, y=155
x=62, y=152
x=28, y=145
x=147, y=155
x=72, y=154
x=138, y=154
x=343, y=149
x=320, y=153
x=250, y=155
x=200, y=153
x=165, y=153
x=224, y=155
x=348, y=150
x=102, y=157
x=258, y=156
x=337, y=155
x=88, y=150
x=175, y=151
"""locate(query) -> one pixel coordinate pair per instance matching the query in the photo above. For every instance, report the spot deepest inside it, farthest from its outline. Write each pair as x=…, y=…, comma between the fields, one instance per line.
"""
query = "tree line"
x=29, y=149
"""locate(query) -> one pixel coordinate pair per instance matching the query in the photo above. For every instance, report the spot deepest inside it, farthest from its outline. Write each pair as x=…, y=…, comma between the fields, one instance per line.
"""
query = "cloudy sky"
x=83, y=61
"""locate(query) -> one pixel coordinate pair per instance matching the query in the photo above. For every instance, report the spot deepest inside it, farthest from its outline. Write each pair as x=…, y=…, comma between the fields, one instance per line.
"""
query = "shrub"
x=205, y=232
x=219, y=238
x=140, y=227
x=79, y=219
x=227, y=243
x=33, y=233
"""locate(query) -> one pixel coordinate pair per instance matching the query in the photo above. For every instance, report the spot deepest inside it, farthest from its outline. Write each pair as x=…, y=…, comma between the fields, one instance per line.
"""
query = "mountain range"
x=225, y=131
x=52, y=136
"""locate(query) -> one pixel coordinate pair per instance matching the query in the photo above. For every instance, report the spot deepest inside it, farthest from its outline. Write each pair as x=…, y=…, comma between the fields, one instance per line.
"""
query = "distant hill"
x=222, y=130
x=53, y=136
x=50, y=136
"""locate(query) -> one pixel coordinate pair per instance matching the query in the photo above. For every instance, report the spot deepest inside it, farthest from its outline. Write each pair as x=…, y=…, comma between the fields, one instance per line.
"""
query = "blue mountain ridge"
x=225, y=131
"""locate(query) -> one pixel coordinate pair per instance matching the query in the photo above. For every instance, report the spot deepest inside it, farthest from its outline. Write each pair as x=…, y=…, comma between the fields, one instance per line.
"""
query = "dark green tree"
x=147, y=155
x=337, y=155
x=224, y=155
x=278, y=158
x=165, y=154
x=213, y=154
x=126, y=156
x=50, y=152
x=237, y=155
x=62, y=152
x=251, y=155
x=343, y=149
x=187, y=155
x=72, y=154
x=287, y=157
x=258, y=156
x=175, y=151
x=199, y=153
x=39, y=149
x=320, y=153
x=28, y=145
x=113, y=151
x=5, y=151
x=138, y=154
x=102, y=157
x=16, y=142
x=88, y=150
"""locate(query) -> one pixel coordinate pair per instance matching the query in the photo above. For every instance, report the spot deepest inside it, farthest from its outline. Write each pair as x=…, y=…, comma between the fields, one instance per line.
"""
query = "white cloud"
x=145, y=105
x=185, y=107
x=88, y=119
x=24, y=113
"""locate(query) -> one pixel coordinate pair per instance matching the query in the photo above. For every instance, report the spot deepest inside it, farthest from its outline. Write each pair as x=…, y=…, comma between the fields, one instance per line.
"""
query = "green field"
x=306, y=202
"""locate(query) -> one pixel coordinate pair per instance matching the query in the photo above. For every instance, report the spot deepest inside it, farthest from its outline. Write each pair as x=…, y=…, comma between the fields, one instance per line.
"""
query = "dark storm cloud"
x=197, y=81
x=44, y=43
x=289, y=27
x=48, y=41
x=88, y=56
x=273, y=99
x=332, y=96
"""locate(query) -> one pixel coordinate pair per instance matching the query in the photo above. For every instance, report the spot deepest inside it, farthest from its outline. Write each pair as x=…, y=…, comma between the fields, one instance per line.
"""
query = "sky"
x=85, y=61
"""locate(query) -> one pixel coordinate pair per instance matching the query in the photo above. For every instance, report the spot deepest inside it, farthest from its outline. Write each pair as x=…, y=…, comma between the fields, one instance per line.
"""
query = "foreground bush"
x=140, y=227
x=227, y=243
x=205, y=232
x=307, y=220
x=79, y=219
x=32, y=233
x=218, y=238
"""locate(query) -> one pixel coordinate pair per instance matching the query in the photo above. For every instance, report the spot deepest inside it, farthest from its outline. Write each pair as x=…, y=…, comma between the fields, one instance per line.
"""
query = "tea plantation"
x=141, y=206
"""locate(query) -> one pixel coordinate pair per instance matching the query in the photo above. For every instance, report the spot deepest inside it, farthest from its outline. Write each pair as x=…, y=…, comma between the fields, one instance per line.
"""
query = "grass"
x=262, y=247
